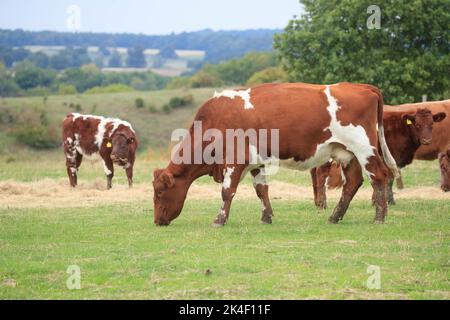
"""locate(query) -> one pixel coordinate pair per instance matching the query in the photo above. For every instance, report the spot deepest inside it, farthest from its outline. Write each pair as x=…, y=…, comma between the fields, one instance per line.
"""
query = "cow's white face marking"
x=227, y=178
x=243, y=94
x=105, y=168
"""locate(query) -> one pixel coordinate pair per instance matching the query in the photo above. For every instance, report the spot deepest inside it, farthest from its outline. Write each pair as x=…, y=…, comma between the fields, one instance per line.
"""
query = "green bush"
x=269, y=75
x=152, y=109
x=139, y=103
x=37, y=136
x=112, y=88
x=64, y=89
x=180, y=102
x=167, y=108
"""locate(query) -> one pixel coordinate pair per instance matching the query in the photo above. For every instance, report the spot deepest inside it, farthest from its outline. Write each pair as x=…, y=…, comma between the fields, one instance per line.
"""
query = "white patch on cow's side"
x=105, y=168
x=227, y=178
x=243, y=94
x=354, y=138
x=101, y=128
x=69, y=140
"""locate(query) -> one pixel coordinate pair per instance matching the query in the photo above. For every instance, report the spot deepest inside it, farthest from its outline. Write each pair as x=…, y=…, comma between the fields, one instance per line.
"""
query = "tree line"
x=219, y=45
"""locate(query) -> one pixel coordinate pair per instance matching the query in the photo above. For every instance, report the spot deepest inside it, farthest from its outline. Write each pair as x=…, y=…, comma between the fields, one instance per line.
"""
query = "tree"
x=115, y=61
x=39, y=59
x=136, y=58
x=29, y=76
x=269, y=75
x=168, y=52
x=407, y=57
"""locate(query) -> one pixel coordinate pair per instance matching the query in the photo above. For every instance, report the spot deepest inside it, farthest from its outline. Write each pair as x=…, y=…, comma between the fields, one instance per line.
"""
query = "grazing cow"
x=405, y=130
x=315, y=123
x=113, y=139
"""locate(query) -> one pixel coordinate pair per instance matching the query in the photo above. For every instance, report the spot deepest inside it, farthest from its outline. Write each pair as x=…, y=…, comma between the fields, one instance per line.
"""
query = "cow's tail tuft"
x=387, y=155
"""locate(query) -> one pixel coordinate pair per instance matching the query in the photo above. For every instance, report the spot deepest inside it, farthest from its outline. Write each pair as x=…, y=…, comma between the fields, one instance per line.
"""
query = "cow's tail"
x=387, y=155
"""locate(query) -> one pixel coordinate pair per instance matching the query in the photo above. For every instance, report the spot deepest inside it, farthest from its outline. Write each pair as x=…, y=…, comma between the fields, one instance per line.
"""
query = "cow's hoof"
x=266, y=221
x=391, y=203
x=333, y=220
x=378, y=222
x=217, y=225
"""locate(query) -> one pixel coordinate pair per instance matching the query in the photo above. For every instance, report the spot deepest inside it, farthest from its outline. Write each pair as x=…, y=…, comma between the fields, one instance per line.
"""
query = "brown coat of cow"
x=315, y=122
x=407, y=129
x=113, y=140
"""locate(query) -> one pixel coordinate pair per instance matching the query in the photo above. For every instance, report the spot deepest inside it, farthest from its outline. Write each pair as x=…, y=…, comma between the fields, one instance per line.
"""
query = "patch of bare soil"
x=49, y=193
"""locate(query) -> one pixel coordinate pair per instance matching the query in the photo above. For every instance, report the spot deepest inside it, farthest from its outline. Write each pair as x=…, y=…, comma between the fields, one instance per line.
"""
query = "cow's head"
x=122, y=142
x=168, y=197
x=444, y=162
x=421, y=124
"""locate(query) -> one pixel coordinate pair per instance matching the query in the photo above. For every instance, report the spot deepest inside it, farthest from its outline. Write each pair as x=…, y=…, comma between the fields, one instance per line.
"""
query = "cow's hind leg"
x=232, y=176
x=262, y=191
x=354, y=180
x=399, y=181
x=378, y=175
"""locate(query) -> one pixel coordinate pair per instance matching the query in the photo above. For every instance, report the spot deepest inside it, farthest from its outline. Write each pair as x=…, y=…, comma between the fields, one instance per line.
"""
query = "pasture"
x=45, y=227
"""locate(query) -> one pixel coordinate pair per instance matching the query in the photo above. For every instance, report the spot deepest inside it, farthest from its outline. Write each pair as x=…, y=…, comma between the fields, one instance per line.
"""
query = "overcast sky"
x=148, y=17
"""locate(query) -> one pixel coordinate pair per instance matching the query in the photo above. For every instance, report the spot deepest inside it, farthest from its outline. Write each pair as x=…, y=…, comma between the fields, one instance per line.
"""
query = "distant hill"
x=218, y=45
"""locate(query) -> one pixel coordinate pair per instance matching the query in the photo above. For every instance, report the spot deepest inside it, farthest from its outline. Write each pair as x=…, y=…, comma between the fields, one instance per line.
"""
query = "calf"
x=113, y=139
x=405, y=133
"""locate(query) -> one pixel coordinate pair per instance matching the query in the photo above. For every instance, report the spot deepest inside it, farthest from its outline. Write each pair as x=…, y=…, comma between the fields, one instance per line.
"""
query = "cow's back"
x=300, y=111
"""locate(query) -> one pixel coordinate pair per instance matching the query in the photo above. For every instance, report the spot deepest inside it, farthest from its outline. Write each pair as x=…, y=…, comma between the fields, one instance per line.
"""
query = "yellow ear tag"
x=408, y=122
x=109, y=145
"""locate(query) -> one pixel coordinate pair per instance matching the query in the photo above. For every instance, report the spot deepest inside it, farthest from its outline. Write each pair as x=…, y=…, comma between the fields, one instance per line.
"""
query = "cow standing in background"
x=440, y=146
x=86, y=135
x=406, y=130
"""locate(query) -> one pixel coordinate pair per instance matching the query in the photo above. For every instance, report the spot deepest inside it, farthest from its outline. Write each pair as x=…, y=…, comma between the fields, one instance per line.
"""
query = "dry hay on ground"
x=49, y=193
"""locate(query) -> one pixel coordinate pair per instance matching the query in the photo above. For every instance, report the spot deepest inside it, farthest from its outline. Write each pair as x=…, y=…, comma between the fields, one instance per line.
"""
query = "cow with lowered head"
x=406, y=130
x=113, y=140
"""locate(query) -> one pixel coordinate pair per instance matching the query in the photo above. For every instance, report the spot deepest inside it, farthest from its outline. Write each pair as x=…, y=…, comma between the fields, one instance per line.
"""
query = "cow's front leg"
x=129, y=171
x=73, y=161
x=389, y=192
x=262, y=191
x=109, y=171
x=232, y=176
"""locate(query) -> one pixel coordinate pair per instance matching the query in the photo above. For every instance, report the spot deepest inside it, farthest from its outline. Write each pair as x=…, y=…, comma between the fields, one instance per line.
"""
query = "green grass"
x=122, y=255
x=153, y=129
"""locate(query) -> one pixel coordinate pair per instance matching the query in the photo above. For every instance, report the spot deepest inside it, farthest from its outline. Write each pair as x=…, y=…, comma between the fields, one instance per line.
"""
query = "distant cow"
x=315, y=122
x=86, y=135
x=405, y=129
x=440, y=147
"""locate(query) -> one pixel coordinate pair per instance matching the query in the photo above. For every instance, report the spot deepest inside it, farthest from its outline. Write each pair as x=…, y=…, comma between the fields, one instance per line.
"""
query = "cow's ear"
x=168, y=179
x=408, y=119
x=157, y=173
x=438, y=117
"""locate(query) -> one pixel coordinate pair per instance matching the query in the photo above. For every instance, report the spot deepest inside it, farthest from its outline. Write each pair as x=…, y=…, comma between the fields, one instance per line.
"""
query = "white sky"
x=148, y=17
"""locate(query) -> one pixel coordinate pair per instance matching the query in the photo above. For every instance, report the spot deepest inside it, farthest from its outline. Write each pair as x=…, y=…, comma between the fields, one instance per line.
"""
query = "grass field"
x=121, y=254
x=45, y=227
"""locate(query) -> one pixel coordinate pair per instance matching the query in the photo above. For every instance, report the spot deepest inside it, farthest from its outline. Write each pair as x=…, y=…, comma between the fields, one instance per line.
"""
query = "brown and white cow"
x=113, y=140
x=315, y=123
x=406, y=130
x=440, y=147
